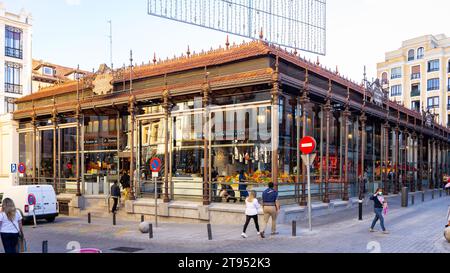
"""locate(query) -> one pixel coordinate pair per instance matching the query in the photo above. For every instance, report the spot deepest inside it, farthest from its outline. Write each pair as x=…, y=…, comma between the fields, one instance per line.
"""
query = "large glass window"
x=433, y=102
x=45, y=155
x=241, y=141
x=12, y=78
x=420, y=53
x=26, y=152
x=68, y=146
x=13, y=42
x=396, y=90
x=396, y=73
x=9, y=105
x=433, y=84
x=411, y=55
x=433, y=65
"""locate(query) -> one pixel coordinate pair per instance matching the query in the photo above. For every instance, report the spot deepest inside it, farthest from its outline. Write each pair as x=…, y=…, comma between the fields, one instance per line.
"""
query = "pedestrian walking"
x=251, y=212
x=380, y=206
x=242, y=187
x=115, y=194
x=271, y=208
x=11, y=230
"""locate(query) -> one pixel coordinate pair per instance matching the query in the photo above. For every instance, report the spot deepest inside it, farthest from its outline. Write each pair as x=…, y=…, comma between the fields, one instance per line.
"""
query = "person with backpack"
x=380, y=206
x=251, y=212
x=11, y=229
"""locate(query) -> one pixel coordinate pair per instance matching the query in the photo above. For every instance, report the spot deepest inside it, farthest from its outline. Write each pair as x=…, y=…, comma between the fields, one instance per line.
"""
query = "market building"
x=213, y=115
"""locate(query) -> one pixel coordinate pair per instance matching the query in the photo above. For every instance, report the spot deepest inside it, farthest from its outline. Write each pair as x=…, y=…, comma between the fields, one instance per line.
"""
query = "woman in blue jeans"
x=379, y=204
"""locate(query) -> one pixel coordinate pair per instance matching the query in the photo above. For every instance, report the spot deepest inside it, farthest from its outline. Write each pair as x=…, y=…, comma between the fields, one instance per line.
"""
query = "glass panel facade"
x=26, y=152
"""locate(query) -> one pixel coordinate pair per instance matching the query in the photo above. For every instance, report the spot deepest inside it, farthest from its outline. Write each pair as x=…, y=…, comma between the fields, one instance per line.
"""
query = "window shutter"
x=416, y=69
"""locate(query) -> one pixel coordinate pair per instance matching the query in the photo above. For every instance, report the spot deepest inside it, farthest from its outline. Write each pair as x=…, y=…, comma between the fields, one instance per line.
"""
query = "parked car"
x=46, y=204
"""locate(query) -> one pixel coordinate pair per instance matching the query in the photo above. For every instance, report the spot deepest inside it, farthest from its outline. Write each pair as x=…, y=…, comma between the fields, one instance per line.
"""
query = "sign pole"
x=34, y=217
x=155, y=179
x=308, y=170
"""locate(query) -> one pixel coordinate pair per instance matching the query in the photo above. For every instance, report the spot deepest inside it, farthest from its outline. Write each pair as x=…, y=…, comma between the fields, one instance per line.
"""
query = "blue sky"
x=71, y=32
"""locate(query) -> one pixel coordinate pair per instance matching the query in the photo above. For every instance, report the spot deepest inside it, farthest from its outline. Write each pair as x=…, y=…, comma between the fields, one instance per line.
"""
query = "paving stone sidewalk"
x=416, y=229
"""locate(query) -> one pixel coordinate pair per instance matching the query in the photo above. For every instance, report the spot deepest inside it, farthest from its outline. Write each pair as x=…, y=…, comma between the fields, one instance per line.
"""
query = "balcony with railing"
x=14, y=52
x=13, y=88
x=415, y=76
x=415, y=93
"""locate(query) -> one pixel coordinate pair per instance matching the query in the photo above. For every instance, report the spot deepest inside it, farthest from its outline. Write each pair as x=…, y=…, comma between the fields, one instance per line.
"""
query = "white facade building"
x=15, y=82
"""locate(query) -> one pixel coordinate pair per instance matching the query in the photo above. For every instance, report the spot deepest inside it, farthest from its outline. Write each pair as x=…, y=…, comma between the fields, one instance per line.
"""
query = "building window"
x=396, y=90
x=396, y=73
x=12, y=78
x=433, y=65
x=448, y=103
x=415, y=90
x=433, y=84
x=433, y=102
x=415, y=72
x=384, y=78
x=448, y=84
x=420, y=53
x=415, y=105
x=411, y=55
x=48, y=71
x=448, y=66
x=13, y=43
x=10, y=106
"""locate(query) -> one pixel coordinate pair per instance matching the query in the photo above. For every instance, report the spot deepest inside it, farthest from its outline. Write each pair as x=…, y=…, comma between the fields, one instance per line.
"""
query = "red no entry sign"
x=155, y=164
x=307, y=145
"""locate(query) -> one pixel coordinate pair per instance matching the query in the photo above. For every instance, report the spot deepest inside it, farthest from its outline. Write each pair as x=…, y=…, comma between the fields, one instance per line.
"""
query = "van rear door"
x=49, y=200
x=37, y=192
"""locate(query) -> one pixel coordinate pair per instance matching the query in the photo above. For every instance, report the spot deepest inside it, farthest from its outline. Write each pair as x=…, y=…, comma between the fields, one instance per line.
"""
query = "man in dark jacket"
x=125, y=180
x=115, y=193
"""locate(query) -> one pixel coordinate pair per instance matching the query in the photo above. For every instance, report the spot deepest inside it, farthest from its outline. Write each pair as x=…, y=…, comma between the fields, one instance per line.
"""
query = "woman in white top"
x=251, y=211
x=10, y=226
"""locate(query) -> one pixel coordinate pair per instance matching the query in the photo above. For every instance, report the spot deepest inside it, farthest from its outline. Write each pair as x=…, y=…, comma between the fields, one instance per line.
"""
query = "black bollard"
x=142, y=218
x=209, y=232
x=114, y=219
x=440, y=193
x=413, y=197
x=150, y=231
x=294, y=228
x=432, y=194
x=360, y=210
x=45, y=247
x=89, y=218
x=423, y=196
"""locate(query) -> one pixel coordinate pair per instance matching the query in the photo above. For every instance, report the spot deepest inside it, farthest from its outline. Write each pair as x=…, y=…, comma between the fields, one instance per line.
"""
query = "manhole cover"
x=127, y=249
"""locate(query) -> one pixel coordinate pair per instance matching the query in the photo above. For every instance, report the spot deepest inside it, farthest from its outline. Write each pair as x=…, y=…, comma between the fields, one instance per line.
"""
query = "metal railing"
x=415, y=76
x=14, y=52
x=13, y=88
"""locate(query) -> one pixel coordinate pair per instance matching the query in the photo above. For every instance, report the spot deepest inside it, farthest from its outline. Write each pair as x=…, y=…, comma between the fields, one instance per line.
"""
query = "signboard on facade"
x=13, y=168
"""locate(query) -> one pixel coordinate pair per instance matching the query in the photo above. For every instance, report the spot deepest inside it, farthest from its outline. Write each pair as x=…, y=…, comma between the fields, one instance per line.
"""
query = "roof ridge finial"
x=154, y=58
x=261, y=34
x=318, y=61
x=227, y=43
x=188, y=52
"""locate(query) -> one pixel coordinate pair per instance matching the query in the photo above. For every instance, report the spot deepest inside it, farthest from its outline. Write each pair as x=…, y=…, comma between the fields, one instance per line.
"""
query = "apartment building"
x=418, y=75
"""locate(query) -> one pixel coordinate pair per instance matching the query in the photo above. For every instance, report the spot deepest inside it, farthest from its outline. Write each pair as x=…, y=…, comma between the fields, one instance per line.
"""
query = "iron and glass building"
x=211, y=115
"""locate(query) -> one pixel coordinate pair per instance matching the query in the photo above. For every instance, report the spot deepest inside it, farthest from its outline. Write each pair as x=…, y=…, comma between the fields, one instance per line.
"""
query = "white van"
x=46, y=205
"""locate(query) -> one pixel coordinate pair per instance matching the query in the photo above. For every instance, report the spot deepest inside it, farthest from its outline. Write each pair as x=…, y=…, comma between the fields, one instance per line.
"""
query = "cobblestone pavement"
x=416, y=229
